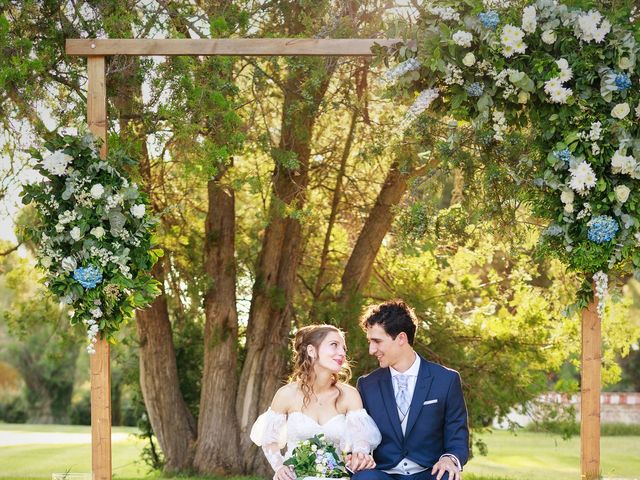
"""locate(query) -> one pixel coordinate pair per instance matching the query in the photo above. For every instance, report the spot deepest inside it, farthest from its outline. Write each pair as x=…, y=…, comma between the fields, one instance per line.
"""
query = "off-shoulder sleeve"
x=362, y=432
x=270, y=432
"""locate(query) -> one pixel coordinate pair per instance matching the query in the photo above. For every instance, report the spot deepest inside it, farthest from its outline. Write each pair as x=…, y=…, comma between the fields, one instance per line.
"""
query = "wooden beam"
x=100, y=361
x=590, y=387
x=235, y=46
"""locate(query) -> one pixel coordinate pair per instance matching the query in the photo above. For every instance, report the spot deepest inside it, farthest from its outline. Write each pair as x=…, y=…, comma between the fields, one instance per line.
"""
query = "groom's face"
x=382, y=346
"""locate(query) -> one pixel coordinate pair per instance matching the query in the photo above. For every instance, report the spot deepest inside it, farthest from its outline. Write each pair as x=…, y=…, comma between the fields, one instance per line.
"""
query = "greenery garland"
x=569, y=76
x=94, y=234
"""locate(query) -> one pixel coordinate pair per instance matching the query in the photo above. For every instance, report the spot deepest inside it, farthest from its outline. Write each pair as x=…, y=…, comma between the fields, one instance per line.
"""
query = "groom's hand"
x=285, y=472
x=446, y=465
x=360, y=461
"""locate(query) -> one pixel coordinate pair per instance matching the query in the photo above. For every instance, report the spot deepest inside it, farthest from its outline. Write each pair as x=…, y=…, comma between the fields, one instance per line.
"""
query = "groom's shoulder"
x=437, y=369
x=371, y=377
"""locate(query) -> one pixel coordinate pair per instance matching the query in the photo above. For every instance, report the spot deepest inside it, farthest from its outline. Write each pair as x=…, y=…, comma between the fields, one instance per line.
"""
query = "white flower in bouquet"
x=582, y=178
x=137, y=210
x=557, y=93
x=469, y=59
x=595, y=132
x=567, y=196
x=622, y=193
x=568, y=208
x=68, y=264
x=75, y=233
x=97, y=232
x=96, y=312
x=549, y=37
x=67, y=216
x=529, y=21
x=625, y=63
x=45, y=261
x=620, y=111
x=57, y=162
x=96, y=191
x=512, y=40
x=59, y=228
x=462, y=38
x=588, y=29
x=565, y=71
x=624, y=164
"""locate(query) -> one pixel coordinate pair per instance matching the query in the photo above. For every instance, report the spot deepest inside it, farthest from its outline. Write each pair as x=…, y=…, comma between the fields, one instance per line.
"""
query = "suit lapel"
x=423, y=385
x=386, y=389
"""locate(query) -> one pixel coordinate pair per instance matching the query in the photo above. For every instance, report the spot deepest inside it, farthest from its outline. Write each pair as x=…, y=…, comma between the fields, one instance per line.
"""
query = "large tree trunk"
x=218, y=438
x=271, y=310
x=169, y=416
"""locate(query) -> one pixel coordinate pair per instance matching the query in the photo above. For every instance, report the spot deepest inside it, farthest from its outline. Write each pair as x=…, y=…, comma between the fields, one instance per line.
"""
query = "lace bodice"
x=354, y=431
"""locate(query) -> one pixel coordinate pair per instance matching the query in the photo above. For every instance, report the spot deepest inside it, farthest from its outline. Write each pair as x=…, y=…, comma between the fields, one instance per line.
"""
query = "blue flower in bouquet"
x=489, y=19
x=623, y=82
x=602, y=229
x=475, y=89
x=564, y=155
x=88, y=277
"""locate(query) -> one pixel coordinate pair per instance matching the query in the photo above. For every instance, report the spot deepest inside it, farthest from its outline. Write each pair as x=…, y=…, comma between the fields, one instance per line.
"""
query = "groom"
x=417, y=405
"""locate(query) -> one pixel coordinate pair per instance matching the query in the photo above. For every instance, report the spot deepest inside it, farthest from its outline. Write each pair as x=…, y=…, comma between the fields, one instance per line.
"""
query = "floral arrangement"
x=570, y=78
x=93, y=234
x=317, y=457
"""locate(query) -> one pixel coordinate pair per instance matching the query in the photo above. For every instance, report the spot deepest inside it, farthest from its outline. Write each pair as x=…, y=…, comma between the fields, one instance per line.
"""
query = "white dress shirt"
x=407, y=466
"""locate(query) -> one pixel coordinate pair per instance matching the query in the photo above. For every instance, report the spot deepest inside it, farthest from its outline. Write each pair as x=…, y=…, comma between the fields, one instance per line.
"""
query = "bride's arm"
x=362, y=435
x=270, y=433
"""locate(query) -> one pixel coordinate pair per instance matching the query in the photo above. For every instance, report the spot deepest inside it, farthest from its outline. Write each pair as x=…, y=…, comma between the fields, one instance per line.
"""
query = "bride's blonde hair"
x=303, y=364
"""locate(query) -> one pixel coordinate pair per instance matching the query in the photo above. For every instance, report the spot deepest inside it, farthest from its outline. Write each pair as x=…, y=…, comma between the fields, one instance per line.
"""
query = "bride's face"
x=331, y=353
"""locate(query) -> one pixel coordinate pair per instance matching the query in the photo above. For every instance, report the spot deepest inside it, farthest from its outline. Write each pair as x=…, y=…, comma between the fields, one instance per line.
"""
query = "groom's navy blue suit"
x=437, y=421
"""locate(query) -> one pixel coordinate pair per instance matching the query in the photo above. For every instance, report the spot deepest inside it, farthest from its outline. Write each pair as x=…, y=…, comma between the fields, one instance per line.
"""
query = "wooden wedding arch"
x=96, y=51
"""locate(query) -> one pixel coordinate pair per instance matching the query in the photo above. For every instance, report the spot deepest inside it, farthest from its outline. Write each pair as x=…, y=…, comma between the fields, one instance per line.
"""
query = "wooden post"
x=590, y=393
x=100, y=361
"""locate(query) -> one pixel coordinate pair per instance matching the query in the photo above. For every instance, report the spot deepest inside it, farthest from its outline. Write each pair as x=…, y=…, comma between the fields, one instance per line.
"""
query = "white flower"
x=582, y=178
x=67, y=216
x=595, y=132
x=137, y=210
x=511, y=39
x=462, y=38
x=622, y=193
x=75, y=233
x=97, y=232
x=469, y=59
x=45, y=262
x=68, y=264
x=588, y=29
x=623, y=164
x=568, y=208
x=557, y=93
x=96, y=191
x=59, y=228
x=625, y=63
x=96, y=313
x=424, y=100
x=57, y=162
x=549, y=37
x=565, y=71
x=529, y=22
x=567, y=196
x=445, y=13
x=620, y=111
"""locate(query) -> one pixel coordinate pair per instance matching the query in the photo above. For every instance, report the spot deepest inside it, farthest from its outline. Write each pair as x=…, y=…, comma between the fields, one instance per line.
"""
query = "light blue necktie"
x=402, y=394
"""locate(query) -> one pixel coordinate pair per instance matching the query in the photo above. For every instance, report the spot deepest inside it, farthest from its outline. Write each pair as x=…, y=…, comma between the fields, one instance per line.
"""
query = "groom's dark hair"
x=395, y=316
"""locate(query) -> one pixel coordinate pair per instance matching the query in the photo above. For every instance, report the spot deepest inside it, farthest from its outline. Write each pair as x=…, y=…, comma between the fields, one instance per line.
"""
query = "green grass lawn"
x=527, y=456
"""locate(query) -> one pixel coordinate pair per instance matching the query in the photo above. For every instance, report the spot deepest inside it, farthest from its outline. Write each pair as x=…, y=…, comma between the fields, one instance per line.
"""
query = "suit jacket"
x=437, y=422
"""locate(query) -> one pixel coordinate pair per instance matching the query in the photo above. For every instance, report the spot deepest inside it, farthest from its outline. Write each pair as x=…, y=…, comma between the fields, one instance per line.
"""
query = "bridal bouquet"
x=317, y=457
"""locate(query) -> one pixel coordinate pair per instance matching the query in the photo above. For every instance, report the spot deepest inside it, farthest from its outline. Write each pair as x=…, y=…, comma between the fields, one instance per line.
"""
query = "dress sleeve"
x=270, y=432
x=362, y=432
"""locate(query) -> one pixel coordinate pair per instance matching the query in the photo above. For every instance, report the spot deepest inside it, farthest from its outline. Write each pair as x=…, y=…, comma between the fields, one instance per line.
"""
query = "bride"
x=317, y=400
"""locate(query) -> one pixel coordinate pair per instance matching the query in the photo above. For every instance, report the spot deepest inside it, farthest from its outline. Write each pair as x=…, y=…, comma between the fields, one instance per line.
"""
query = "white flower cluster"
x=512, y=40
x=499, y=125
x=594, y=135
x=585, y=212
x=601, y=281
x=591, y=27
x=421, y=103
x=567, y=197
x=529, y=21
x=620, y=110
x=502, y=81
x=462, y=38
x=554, y=87
x=583, y=178
x=624, y=164
x=453, y=75
x=393, y=74
x=444, y=13
x=57, y=163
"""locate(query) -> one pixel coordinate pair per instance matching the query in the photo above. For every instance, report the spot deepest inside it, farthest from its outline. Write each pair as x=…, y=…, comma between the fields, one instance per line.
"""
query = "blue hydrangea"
x=564, y=155
x=489, y=19
x=88, y=277
x=602, y=229
x=475, y=89
x=622, y=82
x=553, y=230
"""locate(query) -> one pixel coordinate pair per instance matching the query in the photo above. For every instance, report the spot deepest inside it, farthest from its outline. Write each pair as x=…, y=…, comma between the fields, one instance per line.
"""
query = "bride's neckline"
x=315, y=421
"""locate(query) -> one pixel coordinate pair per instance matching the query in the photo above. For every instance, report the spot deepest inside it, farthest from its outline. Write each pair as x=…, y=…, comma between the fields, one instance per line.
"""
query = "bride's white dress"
x=353, y=432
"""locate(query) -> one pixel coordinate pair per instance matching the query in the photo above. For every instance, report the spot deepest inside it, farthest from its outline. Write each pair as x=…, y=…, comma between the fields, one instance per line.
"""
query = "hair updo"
x=303, y=364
